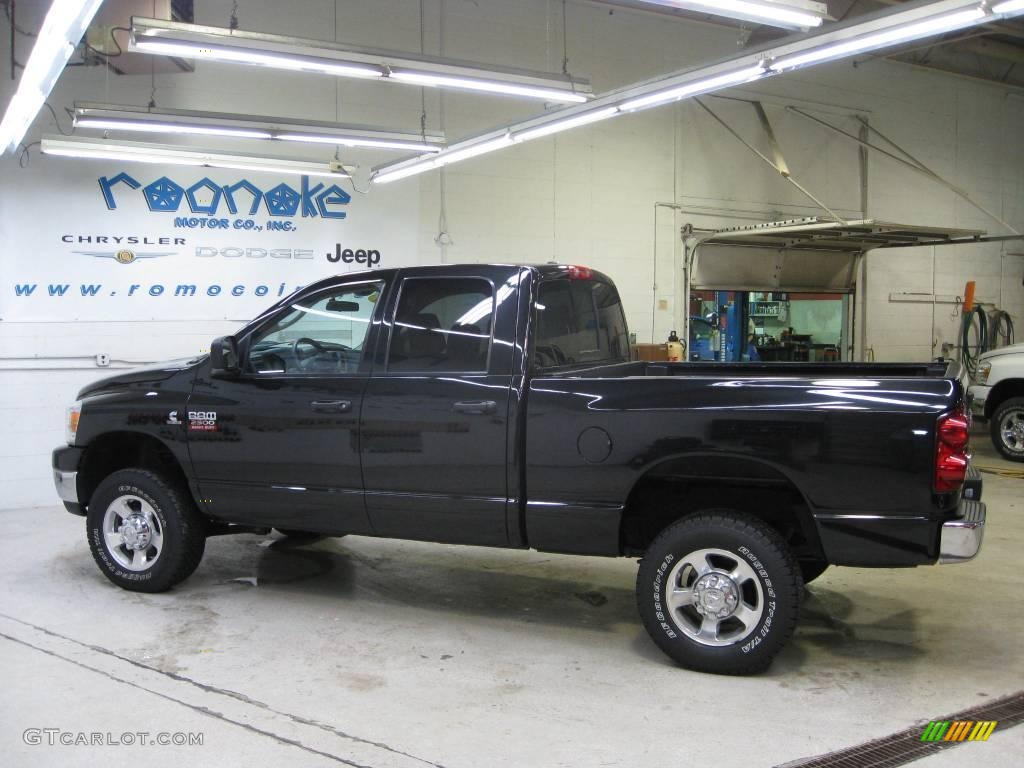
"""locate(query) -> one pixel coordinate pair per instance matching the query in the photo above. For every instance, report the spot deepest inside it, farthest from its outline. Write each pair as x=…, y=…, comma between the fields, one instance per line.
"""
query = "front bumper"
x=65, y=477
x=977, y=394
x=67, y=485
x=961, y=536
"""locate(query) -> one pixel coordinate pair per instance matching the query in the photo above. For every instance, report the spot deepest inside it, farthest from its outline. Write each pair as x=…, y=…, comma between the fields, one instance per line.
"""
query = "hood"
x=146, y=374
x=1012, y=349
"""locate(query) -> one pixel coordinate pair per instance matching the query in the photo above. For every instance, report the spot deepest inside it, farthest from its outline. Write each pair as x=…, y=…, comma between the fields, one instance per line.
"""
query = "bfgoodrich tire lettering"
x=164, y=514
x=719, y=592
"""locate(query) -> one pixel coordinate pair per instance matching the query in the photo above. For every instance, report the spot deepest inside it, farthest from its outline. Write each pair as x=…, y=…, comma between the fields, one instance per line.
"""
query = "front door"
x=435, y=415
x=279, y=445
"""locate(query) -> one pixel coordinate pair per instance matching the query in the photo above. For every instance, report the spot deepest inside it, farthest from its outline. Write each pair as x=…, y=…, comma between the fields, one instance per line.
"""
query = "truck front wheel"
x=1007, y=425
x=719, y=592
x=145, y=533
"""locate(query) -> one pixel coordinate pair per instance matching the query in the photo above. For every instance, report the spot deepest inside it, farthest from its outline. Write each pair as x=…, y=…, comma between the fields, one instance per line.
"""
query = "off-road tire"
x=183, y=530
x=1013, y=404
x=773, y=580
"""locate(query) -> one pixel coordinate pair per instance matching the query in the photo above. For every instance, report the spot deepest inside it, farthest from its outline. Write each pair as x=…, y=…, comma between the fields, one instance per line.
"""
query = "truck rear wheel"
x=145, y=533
x=719, y=592
x=1007, y=425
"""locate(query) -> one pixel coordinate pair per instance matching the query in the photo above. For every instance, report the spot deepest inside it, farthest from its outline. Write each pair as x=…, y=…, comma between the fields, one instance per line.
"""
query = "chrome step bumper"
x=67, y=485
x=961, y=537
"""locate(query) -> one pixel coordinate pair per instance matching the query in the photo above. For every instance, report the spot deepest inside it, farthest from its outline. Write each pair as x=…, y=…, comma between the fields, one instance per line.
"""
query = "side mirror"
x=224, y=357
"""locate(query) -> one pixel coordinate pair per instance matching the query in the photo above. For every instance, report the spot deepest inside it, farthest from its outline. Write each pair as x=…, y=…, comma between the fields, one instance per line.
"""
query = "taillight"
x=580, y=273
x=952, y=451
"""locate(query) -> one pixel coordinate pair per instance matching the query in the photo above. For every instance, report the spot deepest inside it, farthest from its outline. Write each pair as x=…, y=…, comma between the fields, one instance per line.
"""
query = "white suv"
x=998, y=395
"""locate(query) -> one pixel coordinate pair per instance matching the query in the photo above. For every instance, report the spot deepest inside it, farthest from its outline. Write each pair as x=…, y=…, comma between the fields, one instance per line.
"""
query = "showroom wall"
x=612, y=196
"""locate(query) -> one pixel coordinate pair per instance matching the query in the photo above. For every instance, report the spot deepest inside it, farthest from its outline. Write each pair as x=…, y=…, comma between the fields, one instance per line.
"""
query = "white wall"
x=586, y=197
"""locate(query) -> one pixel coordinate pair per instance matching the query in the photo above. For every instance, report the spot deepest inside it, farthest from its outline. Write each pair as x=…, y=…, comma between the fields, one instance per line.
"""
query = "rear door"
x=436, y=412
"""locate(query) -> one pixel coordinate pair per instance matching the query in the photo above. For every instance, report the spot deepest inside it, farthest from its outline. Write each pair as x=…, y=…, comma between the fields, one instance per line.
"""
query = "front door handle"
x=332, y=406
x=475, y=407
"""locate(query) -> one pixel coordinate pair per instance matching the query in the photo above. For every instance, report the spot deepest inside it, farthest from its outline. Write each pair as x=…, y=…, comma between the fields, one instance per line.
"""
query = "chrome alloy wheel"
x=132, y=532
x=714, y=597
x=1011, y=429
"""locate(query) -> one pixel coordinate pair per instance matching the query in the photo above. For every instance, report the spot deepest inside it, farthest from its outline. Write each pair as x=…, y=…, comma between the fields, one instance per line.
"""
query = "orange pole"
x=969, y=296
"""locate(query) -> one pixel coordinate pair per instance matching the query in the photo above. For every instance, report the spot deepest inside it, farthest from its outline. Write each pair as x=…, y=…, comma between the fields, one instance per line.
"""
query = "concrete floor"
x=387, y=653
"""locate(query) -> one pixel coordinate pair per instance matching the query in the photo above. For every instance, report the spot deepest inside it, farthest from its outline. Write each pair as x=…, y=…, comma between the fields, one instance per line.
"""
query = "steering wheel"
x=317, y=347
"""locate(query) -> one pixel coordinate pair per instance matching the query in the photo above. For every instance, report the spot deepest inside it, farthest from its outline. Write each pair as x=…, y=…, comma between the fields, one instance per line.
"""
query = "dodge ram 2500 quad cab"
x=497, y=405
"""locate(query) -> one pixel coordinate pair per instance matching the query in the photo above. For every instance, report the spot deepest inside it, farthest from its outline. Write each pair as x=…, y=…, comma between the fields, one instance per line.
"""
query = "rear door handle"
x=332, y=406
x=475, y=407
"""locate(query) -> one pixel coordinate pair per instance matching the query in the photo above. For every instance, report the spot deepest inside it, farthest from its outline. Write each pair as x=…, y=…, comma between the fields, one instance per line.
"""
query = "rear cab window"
x=579, y=322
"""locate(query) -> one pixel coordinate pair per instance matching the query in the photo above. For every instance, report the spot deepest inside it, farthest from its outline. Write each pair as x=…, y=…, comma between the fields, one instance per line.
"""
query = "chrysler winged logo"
x=125, y=256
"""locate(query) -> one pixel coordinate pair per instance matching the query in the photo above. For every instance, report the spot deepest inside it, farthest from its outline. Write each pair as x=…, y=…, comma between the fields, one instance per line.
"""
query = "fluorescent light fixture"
x=172, y=38
x=241, y=56
x=385, y=176
x=788, y=14
x=914, y=22
x=447, y=157
x=355, y=141
x=1011, y=6
x=454, y=156
x=444, y=81
x=875, y=40
x=563, y=125
x=546, y=127
x=62, y=29
x=148, y=127
x=168, y=154
x=698, y=86
x=109, y=117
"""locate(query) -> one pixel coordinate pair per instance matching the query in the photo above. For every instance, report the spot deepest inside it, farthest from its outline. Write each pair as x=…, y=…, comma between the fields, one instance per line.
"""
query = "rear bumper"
x=962, y=536
x=972, y=485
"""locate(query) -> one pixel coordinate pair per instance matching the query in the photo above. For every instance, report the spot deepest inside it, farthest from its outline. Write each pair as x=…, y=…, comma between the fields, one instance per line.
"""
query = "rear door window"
x=442, y=325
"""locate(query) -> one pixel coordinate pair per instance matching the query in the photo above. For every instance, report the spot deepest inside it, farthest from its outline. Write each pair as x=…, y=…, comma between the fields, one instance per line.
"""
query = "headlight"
x=984, y=368
x=74, y=413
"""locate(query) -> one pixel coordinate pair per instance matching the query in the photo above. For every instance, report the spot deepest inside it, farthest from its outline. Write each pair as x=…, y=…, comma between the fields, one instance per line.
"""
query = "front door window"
x=321, y=334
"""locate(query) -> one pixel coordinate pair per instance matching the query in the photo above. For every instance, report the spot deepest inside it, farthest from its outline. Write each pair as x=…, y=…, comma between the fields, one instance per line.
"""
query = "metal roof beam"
x=912, y=163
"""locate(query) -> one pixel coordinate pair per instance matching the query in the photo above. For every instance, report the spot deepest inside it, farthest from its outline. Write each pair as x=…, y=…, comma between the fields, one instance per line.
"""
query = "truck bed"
x=854, y=442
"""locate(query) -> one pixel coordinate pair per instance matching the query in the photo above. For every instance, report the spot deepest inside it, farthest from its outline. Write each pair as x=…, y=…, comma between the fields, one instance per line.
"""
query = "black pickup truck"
x=497, y=405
